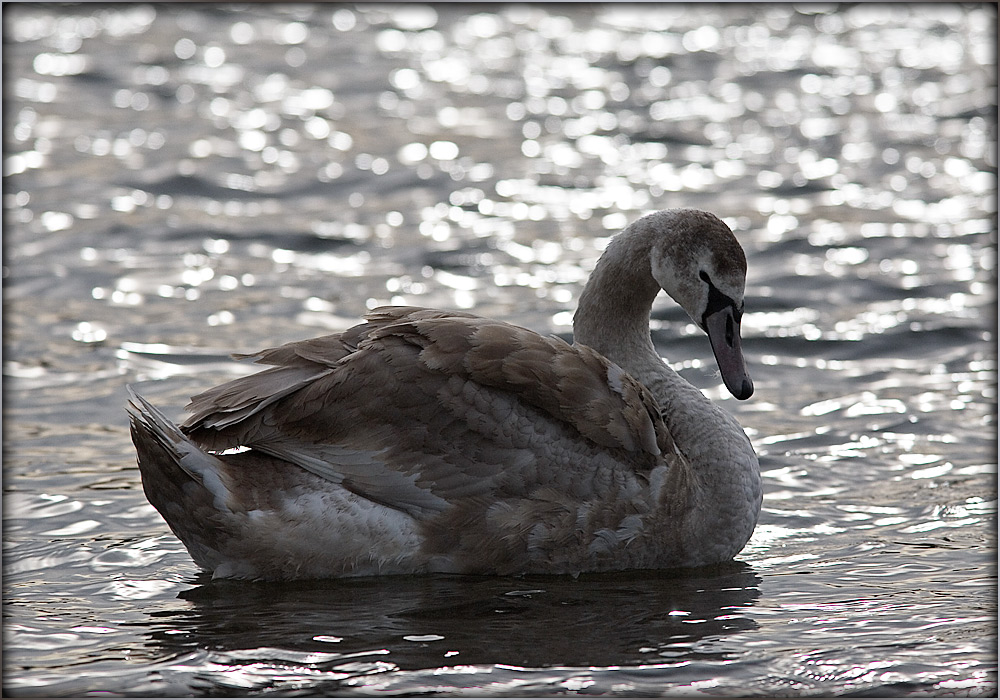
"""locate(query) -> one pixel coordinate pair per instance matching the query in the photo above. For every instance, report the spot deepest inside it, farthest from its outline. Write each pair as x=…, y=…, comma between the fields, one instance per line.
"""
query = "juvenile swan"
x=439, y=441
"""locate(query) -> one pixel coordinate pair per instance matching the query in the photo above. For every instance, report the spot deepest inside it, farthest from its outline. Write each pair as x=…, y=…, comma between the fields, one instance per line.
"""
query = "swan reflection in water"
x=335, y=630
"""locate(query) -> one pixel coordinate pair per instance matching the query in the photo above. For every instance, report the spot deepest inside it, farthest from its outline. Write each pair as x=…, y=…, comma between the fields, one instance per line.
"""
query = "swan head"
x=700, y=264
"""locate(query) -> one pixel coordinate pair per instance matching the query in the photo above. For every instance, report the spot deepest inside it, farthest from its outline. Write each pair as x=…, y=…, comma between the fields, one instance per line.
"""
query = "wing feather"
x=416, y=408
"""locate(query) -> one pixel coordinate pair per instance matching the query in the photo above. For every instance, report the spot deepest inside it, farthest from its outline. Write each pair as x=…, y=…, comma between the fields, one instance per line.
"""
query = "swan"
x=427, y=441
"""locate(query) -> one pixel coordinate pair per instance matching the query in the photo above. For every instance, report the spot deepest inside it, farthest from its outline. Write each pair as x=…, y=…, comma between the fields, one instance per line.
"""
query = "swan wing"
x=418, y=408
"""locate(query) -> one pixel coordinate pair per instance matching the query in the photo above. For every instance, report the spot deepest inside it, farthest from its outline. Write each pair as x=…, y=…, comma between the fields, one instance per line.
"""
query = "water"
x=186, y=181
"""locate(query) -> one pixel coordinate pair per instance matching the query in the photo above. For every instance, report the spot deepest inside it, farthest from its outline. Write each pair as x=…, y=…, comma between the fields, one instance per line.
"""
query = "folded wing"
x=418, y=409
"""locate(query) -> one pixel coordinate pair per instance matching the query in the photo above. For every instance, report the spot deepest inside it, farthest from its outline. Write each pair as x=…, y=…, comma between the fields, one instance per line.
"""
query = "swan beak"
x=724, y=333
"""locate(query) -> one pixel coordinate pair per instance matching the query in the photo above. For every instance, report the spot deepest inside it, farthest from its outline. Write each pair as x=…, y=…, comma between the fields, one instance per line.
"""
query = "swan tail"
x=187, y=485
x=162, y=447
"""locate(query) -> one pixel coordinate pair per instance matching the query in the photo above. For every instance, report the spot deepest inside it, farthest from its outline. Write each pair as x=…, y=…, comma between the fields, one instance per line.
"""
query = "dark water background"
x=184, y=181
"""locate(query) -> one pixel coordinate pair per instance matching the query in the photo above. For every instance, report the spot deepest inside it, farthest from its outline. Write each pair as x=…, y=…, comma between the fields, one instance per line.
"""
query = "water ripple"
x=181, y=183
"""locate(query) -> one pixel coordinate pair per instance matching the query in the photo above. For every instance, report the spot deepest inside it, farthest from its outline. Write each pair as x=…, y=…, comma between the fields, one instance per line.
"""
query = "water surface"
x=186, y=181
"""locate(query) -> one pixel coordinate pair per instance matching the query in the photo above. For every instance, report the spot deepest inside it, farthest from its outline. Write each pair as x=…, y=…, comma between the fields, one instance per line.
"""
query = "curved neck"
x=612, y=316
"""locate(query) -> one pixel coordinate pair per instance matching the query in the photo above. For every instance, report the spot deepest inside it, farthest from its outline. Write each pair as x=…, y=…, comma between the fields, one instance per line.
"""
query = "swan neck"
x=612, y=316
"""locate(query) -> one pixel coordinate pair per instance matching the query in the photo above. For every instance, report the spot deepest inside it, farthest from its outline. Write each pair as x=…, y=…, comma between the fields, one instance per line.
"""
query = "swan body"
x=438, y=441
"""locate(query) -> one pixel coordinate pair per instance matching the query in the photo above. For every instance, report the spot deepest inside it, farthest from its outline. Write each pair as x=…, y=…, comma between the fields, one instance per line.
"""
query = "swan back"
x=571, y=384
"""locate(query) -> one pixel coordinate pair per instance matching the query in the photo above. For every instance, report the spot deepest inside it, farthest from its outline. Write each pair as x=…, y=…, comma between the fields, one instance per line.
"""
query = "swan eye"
x=704, y=276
